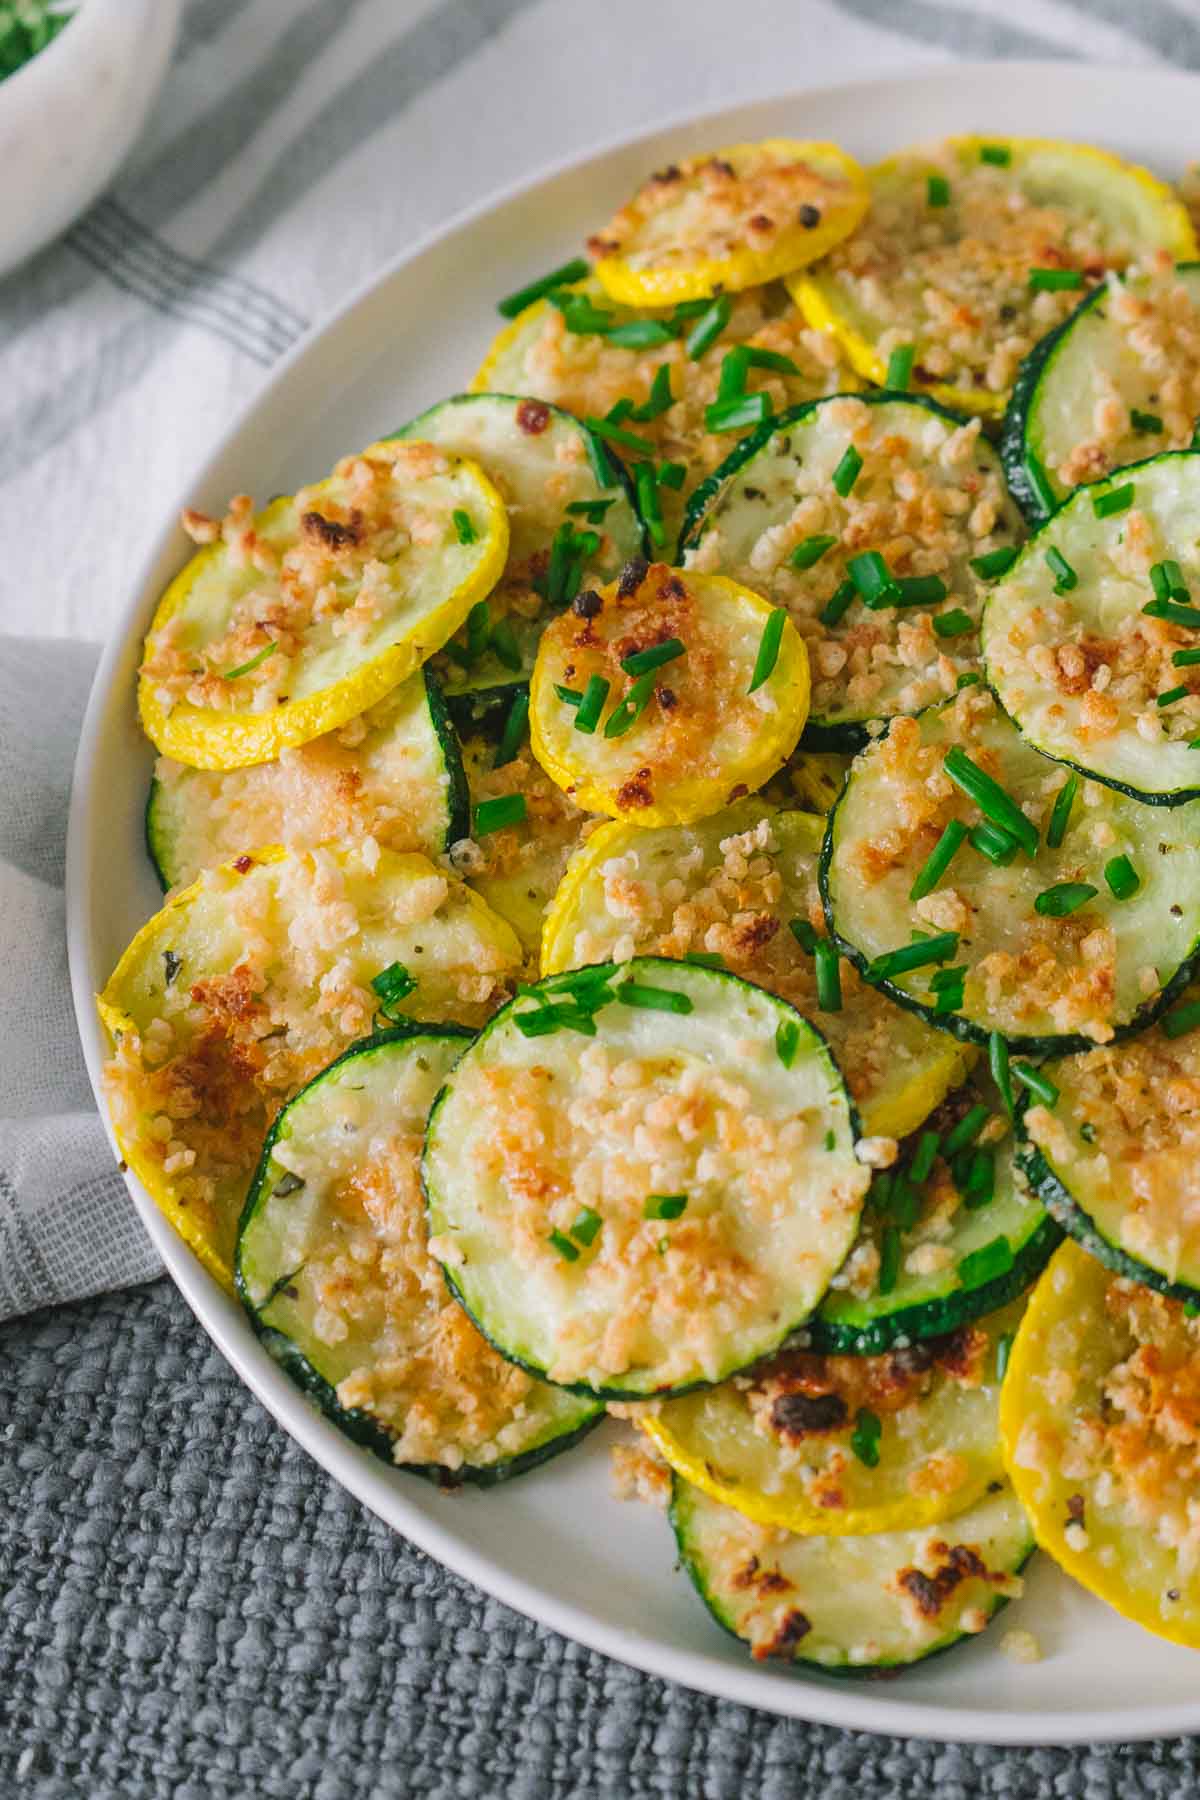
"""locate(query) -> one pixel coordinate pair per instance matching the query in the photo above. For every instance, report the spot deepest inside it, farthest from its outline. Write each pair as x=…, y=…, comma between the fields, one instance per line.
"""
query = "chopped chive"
x=568, y=695
x=998, y=1064
x=649, y=504
x=247, y=668
x=879, y=1194
x=999, y=155
x=1144, y=421
x=586, y=1227
x=514, y=729
x=463, y=526
x=392, y=985
x=640, y=662
x=479, y=629
x=581, y=316
x=787, y=1041
x=1122, y=878
x=829, y=976
x=889, y=1259
x=736, y=414
x=963, y=1135
x=684, y=311
x=993, y=1260
x=658, y=399
x=900, y=368
x=954, y=623
x=1038, y=1083
x=512, y=304
x=640, y=334
x=1117, y=500
x=1060, y=812
x=839, y=603
x=848, y=470
x=995, y=563
x=1065, y=577
x=804, y=934
x=653, y=999
x=708, y=327
x=504, y=646
x=770, y=359
x=619, y=411
x=1004, y=1344
x=938, y=860
x=545, y=1020
x=1185, y=659
x=990, y=798
x=1174, y=613
x=937, y=190
x=980, y=1184
x=922, y=1163
x=950, y=998
x=873, y=579
x=735, y=366
x=591, y=510
x=1064, y=898
x=1039, y=481
x=627, y=712
x=494, y=815
x=587, y=715
x=615, y=434
x=1054, y=281
x=664, y=1206
x=671, y=474
x=768, y=649
x=1181, y=1019
x=572, y=981
x=811, y=550
x=705, y=959
x=1166, y=578
x=1171, y=696
x=864, y=1439
x=920, y=590
x=938, y=948
x=566, y=1249
x=831, y=1139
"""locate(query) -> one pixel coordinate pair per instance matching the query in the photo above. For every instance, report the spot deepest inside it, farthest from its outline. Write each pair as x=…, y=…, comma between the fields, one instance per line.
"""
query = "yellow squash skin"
x=794, y=246
x=206, y=738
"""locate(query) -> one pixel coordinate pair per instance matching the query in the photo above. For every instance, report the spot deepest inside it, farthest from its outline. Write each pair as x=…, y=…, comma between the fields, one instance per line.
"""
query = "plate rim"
x=820, y=1701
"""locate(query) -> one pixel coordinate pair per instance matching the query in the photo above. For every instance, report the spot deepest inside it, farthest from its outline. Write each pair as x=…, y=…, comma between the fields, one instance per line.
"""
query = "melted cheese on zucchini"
x=1101, y=1421
x=249, y=981
x=730, y=886
x=288, y=624
x=705, y=1190
x=1046, y=980
x=728, y=220
x=943, y=260
x=333, y=1255
x=701, y=737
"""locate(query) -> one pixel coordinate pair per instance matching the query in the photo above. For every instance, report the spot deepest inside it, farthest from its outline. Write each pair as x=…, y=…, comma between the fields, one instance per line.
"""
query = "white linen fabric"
x=298, y=145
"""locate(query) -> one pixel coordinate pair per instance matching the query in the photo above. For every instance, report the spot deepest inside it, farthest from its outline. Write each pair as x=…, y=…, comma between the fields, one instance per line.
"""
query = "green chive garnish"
x=504, y=646
x=900, y=368
x=998, y=1064
x=616, y=434
x=653, y=999
x=392, y=985
x=566, y=1249
x=1064, y=898
x=494, y=815
x=954, y=623
x=905, y=1204
x=768, y=649
x=619, y=411
x=1144, y=421
x=737, y=414
x=581, y=316
x=658, y=399
x=1122, y=878
x=1185, y=659
x=575, y=270
x=787, y=1041
x=649, y=504
x=994, y=563
x=640, y=662
x=961, y=1136
x=889, y=1259
x=990, y=798
x=735, y=366
x=1171, y=696
x=938, y=860
x=568, y=695
x=864, y=1439
x=586, y=1227
x=995, y=1259
x=626, y=714
x=937, y=190
x=1038, y=1083
x=463, y=526
x=1117, y=500
x=640, y=334
x=847, y=471
x=980, y=1184
x=811, y=550
x=664, y=1206
x=591, y=510
x=873, y=579
x=587, y=715
x=248, y=668
x=1175, y=614
x=671, y=474
x=770, y=359
x=937, y=948
x=705, y=959
x=839, y=603
x=1060, y=814
x=1065, y=577
x=1166, y=578
x=708, y=327
x=921, y=1167
x=1053, y=281
x=1004, y=1344
x=999, y=155
x=514, y=729
x=804, y=933
x=829, y=976
x=920, y=590
x=996, y=845
x=1181, y=1019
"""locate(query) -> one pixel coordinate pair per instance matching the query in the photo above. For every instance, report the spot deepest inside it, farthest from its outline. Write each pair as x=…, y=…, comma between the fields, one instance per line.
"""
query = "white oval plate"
x=555, y=1544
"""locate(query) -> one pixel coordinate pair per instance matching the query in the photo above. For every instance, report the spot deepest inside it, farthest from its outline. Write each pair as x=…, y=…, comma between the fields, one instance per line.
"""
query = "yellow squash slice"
x=684, y=738
x=726, y=221
x=288, y=624
x=943, y=261
x=729, y=886
x=845, y=1445
x=1099, y=1417
x=254, y=978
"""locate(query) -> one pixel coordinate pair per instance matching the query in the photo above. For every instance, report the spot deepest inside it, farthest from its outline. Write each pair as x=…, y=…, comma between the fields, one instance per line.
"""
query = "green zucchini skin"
x=357, y=1424
x=151, y=833
x=1079, y=1224
x=482, y=710
x=1013, y=448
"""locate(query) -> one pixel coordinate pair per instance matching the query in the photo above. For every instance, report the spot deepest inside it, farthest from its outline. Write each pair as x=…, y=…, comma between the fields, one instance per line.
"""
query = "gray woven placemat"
x=190, y=1608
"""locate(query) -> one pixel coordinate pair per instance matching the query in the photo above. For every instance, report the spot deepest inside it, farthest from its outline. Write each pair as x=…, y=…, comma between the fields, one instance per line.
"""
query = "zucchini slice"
x=249, y=981
x=928, y=497
x=729, y=220
x=565, y=355
x=542, y=462
x=844, y=1445
x=965, y=247
x=1087, y=672
x=1116, y=1161
x=395, y=775
x=730, y=886
x=288, y=624
x=654, y=1208
x=1117, y=382
x=946, y=1237
x=517, y=869
x=334, y=1269
x=681, y=739
x=817, y=777
x=1099, y=1425
x=852, y=1604
x=1089, y=967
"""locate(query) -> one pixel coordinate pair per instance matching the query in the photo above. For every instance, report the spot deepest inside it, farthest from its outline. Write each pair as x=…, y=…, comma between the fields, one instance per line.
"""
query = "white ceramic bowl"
x=556, y=1544
x=70, y=117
